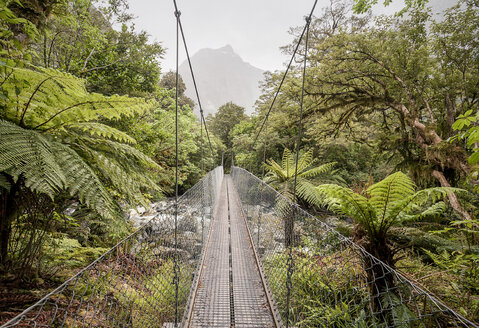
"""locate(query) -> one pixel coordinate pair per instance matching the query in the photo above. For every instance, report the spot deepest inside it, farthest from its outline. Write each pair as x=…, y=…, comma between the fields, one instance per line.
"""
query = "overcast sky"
x=254, y=28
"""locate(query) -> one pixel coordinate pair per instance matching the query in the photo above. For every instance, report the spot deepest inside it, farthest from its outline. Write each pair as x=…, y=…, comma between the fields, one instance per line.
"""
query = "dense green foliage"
x=282, y=176
x=223, y=122
x=87, y=131
x=387, y=94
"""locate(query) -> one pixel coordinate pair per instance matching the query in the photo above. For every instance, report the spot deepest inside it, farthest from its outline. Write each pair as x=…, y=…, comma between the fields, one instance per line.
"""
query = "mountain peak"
x=227, y=48
x=222, y=76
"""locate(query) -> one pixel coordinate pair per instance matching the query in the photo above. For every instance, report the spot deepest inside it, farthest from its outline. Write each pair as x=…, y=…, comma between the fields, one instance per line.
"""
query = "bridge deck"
x=230, y=290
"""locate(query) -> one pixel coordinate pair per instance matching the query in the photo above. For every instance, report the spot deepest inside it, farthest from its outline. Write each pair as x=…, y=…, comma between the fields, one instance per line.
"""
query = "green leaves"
x=223, y=122
x=464, y=120
x=387, y=203
x=48, y=167
x=55, y=140
x=281, y=176
x=468, y=130
x=49, y=99
x=8, y=43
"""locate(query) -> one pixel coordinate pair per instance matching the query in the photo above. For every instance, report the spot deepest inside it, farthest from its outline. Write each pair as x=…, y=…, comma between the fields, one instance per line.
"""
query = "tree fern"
x=388, y=203
x=48, y=167
x=44, y=99
x=281, y=177
x=56, y=137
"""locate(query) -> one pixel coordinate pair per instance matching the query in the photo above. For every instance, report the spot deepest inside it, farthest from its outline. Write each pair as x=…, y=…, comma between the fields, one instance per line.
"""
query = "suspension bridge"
x=233, y=252
x=226, y=256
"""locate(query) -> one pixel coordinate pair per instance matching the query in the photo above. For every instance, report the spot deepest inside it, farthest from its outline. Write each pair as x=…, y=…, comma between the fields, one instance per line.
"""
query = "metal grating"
x=211, y=307
x=251, y=307
x=229, y=257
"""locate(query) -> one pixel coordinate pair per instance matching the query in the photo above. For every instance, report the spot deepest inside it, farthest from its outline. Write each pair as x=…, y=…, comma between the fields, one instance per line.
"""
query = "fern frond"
x=344, y=201
x=401, y=315
x=305, y=160
x=386, y=192
x=408, y=206
x=102, y=131
x=286, y=162
x=4, y=183
x=125, y=167
x=319, y=170
x=307, y=191
x=273, y=169
x=50, y=167
x=117, y=150
x=83, y=181
x=432, y=212
x=124, y=180
x=49, y=99
x=29, y=154
x=432, y=194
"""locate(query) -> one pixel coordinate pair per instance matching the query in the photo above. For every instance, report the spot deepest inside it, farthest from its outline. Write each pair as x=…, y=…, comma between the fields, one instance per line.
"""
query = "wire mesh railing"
x=319, y=278
x=135, y=283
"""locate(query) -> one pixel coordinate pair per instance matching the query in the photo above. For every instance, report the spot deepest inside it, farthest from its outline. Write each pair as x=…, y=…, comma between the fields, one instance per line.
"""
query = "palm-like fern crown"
x=47, y=99
x=389, y=202
x=281, y=176
x=50, y=136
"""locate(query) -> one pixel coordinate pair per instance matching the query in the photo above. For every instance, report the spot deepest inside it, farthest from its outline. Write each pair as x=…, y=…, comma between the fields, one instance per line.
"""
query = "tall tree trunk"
x=7, y=214
x=380, y=279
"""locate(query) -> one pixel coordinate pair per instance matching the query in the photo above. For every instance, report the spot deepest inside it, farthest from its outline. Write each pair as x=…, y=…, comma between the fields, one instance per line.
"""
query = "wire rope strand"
x=258, y=238
x=176, y=267
x=264, y=149
x=202, y=150
x=300, y=123
x=308, y=19
x=290, y=229
x=202, y=118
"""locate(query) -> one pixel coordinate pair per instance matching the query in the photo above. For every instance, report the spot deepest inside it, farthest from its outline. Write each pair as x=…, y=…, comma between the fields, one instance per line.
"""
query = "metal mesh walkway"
x=214, y=277
x=230, y=290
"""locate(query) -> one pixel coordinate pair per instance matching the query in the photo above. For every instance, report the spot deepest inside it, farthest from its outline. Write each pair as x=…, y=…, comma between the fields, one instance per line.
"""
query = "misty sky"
x=254, y=28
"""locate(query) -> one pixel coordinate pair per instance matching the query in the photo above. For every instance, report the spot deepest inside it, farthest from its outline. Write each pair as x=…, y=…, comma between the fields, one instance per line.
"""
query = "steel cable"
x=202, y=118
x=176, y=267
x=298, y=145
x=285, y=72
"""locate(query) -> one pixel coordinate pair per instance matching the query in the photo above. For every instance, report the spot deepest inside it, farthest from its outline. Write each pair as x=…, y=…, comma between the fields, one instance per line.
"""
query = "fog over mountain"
x=222, y=76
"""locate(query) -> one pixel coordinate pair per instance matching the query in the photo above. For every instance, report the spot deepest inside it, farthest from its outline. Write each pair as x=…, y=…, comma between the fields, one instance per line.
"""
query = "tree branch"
x=101, y=67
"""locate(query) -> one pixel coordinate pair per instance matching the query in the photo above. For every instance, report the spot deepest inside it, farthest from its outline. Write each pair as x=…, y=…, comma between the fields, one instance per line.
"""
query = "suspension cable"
x=176, y=267
x=308, y=19
x=264, y=149
x=202, y=117
x=300, y=124
x=201, y=151
x=291, y=217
